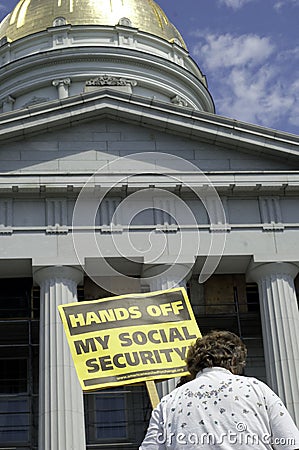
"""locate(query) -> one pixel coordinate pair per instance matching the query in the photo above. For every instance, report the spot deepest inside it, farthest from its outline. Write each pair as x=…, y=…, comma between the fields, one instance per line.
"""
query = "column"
x=62, y=87
x=61, y=411
x=162, y=277
x=280, y=323
x=8, y=103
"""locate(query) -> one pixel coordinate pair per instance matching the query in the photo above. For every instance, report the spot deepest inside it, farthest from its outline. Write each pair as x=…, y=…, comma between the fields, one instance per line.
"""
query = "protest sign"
x=130, y=338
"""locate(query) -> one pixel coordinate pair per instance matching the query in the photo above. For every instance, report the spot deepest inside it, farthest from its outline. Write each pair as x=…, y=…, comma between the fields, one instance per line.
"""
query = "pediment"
x=76, y=135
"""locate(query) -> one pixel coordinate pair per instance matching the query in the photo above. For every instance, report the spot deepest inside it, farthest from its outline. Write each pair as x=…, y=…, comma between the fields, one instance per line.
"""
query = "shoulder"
x=269, y=397
x=260, y=385
x=253, y=382
x=173, y=394
x=178, y=393
x=260, y=388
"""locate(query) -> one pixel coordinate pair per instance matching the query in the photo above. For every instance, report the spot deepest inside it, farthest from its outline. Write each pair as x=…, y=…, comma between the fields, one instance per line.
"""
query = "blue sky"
x=249, y=51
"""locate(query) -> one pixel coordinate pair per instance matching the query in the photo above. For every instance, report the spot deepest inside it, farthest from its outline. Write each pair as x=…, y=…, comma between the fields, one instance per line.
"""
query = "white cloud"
x=246, y=78
x=289, y=54
x=255, y=96
x=235, y=4
x=294, y=113
x=281, y=3
x=226, y=50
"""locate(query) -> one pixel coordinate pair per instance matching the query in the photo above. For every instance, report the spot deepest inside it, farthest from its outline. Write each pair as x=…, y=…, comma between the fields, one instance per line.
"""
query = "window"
x=124, y=21
x=19, y=325
x=13, y=376
x=226, y=302
x=107, y=415
x=117, y=416
x=252, y=297
x=59, y=21
x=14, y=420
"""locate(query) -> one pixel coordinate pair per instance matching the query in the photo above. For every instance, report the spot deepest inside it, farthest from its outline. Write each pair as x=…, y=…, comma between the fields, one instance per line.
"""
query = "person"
x=220, y=408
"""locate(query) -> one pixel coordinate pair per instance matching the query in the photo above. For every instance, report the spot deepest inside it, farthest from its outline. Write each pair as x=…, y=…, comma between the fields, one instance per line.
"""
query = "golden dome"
x=32, y=16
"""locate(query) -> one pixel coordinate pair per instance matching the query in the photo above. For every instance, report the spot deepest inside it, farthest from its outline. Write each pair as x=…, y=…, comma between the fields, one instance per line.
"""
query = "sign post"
x=152, y=393
x=130, y=338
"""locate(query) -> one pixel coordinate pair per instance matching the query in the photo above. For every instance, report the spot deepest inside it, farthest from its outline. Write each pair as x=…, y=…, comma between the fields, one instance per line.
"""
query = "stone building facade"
x=117, y=176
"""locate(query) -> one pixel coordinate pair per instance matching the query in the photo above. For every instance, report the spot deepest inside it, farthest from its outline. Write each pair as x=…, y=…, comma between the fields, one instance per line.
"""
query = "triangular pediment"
x=79, y=134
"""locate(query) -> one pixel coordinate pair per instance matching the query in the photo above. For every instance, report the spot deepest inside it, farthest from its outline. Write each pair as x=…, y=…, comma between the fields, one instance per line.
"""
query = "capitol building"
x=117, y=176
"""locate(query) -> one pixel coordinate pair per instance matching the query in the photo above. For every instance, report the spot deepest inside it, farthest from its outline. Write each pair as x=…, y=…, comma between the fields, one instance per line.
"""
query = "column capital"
x=260, y=271
x=164, y=274
x=9, y=99
x=62, y=81
x=58, y=272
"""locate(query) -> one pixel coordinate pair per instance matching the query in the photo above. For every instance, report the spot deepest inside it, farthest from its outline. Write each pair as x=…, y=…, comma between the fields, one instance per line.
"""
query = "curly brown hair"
x=217, y=349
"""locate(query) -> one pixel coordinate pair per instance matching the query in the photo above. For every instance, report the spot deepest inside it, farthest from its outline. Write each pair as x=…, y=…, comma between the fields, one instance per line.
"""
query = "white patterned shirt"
x=222, y=411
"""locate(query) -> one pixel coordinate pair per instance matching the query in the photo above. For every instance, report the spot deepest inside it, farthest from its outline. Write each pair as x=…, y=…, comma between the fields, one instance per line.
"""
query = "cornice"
x=17, y=76
x=150, y=113
x=94, y=54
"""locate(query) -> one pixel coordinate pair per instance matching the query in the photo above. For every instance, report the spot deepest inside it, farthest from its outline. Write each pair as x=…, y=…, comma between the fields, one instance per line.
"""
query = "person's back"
x=220, y=410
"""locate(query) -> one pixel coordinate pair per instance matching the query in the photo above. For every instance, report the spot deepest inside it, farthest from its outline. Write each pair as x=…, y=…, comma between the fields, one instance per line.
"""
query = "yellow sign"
x=130, y=338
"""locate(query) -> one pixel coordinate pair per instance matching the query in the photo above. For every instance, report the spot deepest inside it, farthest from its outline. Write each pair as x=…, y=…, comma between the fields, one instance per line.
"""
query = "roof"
x=162, y=116
x=32, y=16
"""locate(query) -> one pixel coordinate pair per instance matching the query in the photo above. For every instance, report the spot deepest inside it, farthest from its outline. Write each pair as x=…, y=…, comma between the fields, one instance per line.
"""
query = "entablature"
x=183, y=184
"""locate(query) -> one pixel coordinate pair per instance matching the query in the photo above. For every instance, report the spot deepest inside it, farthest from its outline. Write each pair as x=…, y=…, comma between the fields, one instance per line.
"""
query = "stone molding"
x=198, y=123
x=178, y=100
x=110, y=80
x=58, y=273
x=64, y=81
x=6, y=216
x=8, y=103
x=258, y=272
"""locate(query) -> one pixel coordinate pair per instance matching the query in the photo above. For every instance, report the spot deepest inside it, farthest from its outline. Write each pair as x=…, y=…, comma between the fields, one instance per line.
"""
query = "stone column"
x=160, y=278
x=61, y=411
x=280, y=323
x=62, y=87
x=8, y=103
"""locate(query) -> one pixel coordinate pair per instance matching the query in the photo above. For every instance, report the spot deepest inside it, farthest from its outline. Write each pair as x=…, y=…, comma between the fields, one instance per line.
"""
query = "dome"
x=32, y=16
